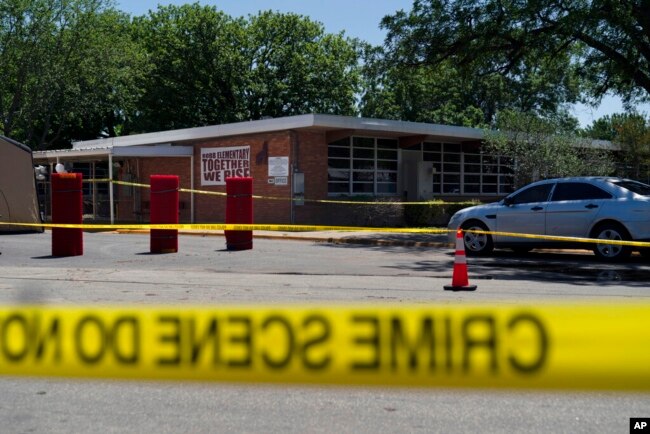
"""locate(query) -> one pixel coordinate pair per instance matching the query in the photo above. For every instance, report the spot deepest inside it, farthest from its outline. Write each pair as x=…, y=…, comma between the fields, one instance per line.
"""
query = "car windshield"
x=634, y=187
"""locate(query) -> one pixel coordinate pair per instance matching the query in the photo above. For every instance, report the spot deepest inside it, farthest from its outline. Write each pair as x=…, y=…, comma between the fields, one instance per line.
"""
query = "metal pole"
x=192, y=188
x=292, y=210
x=94, y=176
x=48, y=199
x=110, y=186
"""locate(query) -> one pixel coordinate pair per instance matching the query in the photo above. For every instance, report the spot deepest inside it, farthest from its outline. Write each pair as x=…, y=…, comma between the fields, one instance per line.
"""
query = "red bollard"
x=239, y=210
x=164, y=210
x=67, y=208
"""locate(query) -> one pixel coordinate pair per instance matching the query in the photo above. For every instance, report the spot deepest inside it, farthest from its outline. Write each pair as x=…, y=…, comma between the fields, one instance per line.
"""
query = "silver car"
x=587, y=207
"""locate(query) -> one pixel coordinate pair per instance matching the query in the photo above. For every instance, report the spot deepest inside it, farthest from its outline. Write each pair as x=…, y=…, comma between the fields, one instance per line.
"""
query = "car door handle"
x=591, y=206
x=537, y=208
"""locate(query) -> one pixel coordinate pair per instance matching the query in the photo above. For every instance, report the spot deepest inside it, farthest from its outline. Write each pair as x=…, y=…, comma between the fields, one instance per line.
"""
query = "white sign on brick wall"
x=281, y=180
x=217, y=164
x=278, y=166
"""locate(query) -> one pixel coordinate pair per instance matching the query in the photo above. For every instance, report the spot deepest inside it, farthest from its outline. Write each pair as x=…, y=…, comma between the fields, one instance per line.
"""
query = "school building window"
x=465, y=169
x=362, y=165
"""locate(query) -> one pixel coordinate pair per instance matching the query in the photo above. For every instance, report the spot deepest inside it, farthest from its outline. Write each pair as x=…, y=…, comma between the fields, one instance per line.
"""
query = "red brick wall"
x=313, y=163
x=312, y=151
x=211, y=209
x=142, y=169
x=126, y=195
x=309, y=156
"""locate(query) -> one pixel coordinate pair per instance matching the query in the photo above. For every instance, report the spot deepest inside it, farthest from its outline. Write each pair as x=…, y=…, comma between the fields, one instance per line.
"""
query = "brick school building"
x=300, y=165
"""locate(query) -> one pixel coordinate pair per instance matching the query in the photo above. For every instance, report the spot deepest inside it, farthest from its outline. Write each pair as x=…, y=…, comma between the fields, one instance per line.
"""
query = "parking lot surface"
x=118, y=269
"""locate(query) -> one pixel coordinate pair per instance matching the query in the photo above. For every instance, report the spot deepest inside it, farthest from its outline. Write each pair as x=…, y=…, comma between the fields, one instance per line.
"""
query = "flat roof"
x=161, y=150
x=301, y=122
x=165, y=143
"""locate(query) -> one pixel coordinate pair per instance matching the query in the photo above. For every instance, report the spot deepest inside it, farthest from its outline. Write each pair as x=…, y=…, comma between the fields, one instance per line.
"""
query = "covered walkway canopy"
x=110, y=155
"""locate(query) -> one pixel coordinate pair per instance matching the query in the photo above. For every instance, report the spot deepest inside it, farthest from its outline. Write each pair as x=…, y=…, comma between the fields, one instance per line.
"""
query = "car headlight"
x=453, y=222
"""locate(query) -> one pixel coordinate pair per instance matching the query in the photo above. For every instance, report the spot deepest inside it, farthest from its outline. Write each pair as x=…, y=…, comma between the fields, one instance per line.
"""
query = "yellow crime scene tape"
x=590, y=347
x=298, y=228
x=316, y=228
x=229, y=227
x=330, y=201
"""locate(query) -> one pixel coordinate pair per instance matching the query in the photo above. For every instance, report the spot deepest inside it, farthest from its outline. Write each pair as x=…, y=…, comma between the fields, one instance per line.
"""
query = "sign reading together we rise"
x=217, y=164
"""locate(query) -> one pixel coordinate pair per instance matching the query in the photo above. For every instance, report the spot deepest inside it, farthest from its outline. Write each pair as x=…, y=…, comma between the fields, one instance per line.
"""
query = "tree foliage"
x=80, y=69
x=445, y=94
x=208, y=68
x=413, y=79
x=607, y=42
x=630, y=131
x=68, y=69
x=196, y=65
x=423, y=94
x=542, y=149
x=294, y=67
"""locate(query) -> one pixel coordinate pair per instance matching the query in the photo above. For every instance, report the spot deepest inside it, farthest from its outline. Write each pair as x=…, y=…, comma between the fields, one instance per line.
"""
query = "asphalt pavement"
x=379, y=238
x=324, y=268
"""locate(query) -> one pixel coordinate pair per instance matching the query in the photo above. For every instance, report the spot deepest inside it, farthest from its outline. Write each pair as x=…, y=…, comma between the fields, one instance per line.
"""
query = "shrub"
x=434, y=212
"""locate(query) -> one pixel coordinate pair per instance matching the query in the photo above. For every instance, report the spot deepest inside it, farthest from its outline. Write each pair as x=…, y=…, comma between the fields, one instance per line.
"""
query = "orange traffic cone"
x=459, y=280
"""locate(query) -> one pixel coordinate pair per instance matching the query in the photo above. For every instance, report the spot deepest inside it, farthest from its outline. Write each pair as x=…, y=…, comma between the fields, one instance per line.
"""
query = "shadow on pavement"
x=577, y=267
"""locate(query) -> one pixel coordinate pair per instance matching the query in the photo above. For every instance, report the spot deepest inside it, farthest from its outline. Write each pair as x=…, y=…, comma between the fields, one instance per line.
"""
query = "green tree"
x=541, y=149
x=631, y=132
x=196, y=68
x=422, y=94
x=604, y=41
x=209, y=68
x=445, y=94
x=68, y=69
x=633, y=135
x=294, y=67
x=405, y=82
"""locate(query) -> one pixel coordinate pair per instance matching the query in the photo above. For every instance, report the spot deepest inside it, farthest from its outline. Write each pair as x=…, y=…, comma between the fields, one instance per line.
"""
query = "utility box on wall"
x=425, y=180
x=417, y=179
x=298, y=180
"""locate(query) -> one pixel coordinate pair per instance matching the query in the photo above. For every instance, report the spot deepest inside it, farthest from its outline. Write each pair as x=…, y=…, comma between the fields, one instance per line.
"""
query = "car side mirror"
x=508, y=201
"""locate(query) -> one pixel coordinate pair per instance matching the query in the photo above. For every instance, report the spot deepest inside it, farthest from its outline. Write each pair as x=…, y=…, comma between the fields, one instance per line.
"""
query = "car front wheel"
x=476, y=244
x=611, y=252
